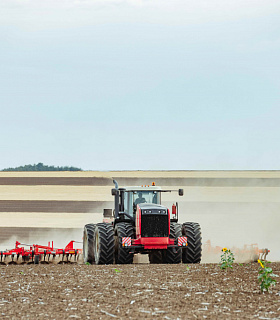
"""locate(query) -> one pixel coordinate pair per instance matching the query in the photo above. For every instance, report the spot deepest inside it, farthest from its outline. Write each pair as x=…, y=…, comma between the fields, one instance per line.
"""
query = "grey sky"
x=108, y=85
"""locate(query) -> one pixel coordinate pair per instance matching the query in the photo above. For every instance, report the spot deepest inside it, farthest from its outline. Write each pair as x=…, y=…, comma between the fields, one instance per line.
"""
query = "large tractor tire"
x=88, y=243
x=172, y=255
x=192, y=252
x=104, y=243
x=122, y=254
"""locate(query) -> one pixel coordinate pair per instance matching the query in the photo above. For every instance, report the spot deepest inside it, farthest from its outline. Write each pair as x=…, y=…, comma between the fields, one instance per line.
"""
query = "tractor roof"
x=139, y=188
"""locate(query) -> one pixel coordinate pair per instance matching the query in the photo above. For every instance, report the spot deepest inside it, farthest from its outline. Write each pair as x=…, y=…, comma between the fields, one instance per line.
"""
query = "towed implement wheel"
x=104, y=243
x=122, y=254
x=172, y=255
x=192, y=253
x=88, y=243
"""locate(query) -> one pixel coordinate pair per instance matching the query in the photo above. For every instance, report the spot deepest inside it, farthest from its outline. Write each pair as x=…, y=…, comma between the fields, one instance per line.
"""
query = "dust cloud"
x=234, y=229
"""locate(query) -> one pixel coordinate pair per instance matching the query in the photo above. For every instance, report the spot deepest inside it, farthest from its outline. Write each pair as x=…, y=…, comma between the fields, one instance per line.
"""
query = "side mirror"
x=114, y=192
x=181, y=192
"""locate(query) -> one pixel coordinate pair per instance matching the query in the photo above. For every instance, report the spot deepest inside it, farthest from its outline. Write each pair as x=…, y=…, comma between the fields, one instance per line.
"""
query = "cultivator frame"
x=40, y=254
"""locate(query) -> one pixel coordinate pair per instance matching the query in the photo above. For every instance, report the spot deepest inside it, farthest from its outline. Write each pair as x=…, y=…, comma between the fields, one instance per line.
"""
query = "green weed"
x=227, y=259
x=265, y=276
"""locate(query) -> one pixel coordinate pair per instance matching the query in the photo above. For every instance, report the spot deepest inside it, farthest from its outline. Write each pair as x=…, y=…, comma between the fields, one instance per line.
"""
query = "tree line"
x=41, y=167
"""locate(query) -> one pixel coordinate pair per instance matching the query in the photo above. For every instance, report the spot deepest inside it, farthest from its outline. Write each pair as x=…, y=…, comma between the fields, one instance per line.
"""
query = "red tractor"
x=142, y=225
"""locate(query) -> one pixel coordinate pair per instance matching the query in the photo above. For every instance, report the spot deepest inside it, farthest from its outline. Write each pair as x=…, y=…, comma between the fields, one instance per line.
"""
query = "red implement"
x=26, y=253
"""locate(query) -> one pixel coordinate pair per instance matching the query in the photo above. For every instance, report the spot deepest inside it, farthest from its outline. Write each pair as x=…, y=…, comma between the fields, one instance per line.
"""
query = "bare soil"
x=135, y=292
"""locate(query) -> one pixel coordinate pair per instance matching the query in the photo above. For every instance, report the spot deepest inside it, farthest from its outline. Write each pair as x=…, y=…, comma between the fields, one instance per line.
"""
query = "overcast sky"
x=123, y=85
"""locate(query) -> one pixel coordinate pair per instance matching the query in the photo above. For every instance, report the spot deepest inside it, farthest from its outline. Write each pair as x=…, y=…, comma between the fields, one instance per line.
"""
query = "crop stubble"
x=135, y=291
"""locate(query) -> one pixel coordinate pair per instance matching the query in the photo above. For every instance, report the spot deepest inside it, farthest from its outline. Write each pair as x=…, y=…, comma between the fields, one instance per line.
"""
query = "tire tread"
x=106, y=243
x=192, y=253
x=123, y=256
x=171, y=255
x=89, y=229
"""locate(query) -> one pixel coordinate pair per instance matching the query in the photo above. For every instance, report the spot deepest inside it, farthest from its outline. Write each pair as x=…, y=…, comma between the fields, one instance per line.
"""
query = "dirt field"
x=135, y=291
x=233, y=208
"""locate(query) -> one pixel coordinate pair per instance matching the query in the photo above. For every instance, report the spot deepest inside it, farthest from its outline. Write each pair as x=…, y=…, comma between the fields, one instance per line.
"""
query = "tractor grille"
x=154, y=225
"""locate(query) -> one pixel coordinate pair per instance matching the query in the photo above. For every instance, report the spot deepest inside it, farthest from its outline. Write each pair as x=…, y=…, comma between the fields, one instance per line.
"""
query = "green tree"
x=41, y=167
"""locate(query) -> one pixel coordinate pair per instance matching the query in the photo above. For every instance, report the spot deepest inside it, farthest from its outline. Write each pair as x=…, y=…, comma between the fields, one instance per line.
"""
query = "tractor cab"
x=138, y=195
x=129, y=198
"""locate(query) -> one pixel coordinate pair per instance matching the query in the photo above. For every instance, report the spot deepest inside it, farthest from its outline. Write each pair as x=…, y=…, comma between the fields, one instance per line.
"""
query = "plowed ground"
x=135, y=292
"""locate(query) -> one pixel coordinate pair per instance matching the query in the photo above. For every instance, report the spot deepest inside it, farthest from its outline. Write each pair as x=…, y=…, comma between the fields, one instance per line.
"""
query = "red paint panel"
x=154, y=243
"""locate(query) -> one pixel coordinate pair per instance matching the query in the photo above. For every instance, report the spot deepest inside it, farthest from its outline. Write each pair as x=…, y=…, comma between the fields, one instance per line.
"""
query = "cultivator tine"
x=18, y=259
x=80, y=258
x=12, y=259
x=60, y=259
x=263, y=253
x=49, y=256
x=73, y=257
x=76, y=256
x=1, y=257
x=67, y=258
x=43, y=257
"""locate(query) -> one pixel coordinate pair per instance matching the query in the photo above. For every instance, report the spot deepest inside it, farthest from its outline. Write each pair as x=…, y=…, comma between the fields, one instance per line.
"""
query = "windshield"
x=132, y=198
x=146, y=197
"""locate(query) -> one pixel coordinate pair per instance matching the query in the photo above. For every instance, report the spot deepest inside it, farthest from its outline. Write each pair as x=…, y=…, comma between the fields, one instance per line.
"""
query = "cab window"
x=146, y=197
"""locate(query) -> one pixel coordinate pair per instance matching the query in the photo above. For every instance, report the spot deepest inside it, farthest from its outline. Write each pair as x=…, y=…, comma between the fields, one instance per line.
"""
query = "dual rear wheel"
x=88, y=243
x=102, y=244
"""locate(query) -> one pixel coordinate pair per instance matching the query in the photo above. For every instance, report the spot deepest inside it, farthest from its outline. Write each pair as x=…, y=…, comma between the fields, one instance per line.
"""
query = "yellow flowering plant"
x=227, y=259
x=265, y=276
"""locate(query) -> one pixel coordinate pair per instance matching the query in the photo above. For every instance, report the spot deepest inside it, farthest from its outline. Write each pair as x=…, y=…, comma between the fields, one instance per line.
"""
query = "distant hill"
x=41, y=167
